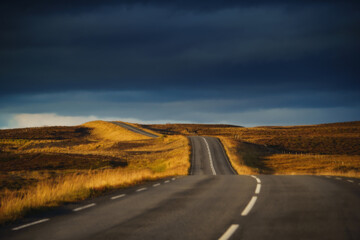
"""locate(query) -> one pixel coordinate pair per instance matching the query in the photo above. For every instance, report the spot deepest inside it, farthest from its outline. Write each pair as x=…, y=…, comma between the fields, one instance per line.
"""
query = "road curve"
x=208, y=157
x=208, y=206
x=134, y=129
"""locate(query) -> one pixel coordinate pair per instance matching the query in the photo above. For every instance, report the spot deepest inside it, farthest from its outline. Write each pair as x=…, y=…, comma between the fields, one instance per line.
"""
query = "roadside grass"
x=239, y=162
x=249, y=158
x=45, y=167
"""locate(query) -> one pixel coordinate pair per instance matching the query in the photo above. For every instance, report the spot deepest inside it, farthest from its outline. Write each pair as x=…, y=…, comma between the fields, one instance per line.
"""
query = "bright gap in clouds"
x=24, y=120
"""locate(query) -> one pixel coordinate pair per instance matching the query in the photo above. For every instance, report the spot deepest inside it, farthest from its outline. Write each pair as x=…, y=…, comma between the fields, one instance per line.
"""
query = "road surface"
x=212, y=203
x=134, y=129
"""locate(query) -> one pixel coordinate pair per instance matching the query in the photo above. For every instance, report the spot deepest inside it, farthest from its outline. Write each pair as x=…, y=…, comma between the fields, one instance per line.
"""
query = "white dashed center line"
x=30, y=224
x=350, y=181
x=167, y=181
x=156, y=185
x=118, y=196
x=84, y=207
x=258, y=187
x=229, y=232
x=210, y=157
x=249, y=206
x=141, y=189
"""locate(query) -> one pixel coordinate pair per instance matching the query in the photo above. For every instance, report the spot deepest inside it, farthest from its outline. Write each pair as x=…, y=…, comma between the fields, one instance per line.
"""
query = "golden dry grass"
x=337, y=165
x=59, y=164
x=237, y=160
x=109, y=131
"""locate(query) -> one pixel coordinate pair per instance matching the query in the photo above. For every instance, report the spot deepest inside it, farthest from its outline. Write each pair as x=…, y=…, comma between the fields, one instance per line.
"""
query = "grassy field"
x=44, y=167
x=47, y=166
x=315, y=149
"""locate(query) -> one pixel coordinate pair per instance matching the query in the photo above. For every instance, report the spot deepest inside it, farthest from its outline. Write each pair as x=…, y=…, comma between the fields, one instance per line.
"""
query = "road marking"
x=338, y=178
x=350, y=181
x=229, y=232
x=156, y=185
x=141, y=189
x=167, y=181
x=257, y=190
x=249, y=206
x=210, y=157
x=118, y=196
x=173, y=179
x=327, y=176
x=257, y=179
x=30, y=224
x=84, y=207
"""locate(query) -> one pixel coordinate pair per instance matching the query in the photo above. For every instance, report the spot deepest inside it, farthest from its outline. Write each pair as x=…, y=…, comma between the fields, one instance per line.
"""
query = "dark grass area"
x=45, y=133
x=58, y=161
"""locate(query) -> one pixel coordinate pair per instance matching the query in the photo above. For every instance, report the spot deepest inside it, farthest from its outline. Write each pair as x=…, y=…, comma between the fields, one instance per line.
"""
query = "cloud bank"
x=241, y=62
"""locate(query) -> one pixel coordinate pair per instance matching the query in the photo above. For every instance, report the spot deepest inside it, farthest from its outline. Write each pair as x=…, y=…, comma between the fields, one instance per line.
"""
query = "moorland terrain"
x=47, y=166
x=327, y=149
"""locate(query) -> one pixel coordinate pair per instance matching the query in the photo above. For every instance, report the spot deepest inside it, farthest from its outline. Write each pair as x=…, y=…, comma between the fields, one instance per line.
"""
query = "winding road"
x=211, y=203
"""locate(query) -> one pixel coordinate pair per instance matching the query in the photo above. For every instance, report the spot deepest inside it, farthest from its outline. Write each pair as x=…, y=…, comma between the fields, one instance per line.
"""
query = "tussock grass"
x=49, y=166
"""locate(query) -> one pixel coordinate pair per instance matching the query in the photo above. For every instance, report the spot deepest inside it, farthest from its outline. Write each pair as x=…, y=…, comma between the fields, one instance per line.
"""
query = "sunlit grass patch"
x=338, y=165
x=236, y=159
x=53, y=165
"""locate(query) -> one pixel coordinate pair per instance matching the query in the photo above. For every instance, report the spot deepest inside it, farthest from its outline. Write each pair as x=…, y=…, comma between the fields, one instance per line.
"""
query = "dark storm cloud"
x=183, y=58
x=161, y=44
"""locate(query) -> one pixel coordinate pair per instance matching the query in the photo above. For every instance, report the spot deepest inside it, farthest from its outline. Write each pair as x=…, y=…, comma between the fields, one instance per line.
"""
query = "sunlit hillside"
x=50, y=165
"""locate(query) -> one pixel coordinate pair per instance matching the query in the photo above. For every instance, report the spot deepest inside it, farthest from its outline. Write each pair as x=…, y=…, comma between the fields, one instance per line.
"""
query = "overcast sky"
x=264, y=63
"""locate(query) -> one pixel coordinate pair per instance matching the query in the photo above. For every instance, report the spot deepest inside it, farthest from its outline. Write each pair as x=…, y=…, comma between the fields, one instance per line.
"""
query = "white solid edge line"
x=249, y=206
x=118, y=196
x=210, y=157
x=84, y=207
x=30, y=224
x=141, y=189
x=229, y=232
x=258, y=187
x=156, y=185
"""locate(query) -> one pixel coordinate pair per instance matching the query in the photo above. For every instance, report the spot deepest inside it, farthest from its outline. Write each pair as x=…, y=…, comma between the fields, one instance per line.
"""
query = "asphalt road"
x=213, y=203
x=134, y=129
x=209, y=157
